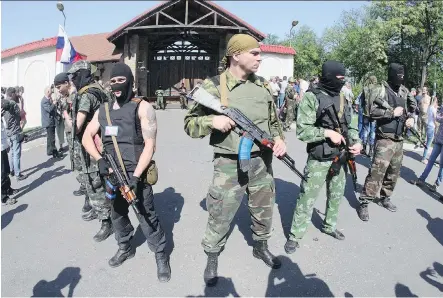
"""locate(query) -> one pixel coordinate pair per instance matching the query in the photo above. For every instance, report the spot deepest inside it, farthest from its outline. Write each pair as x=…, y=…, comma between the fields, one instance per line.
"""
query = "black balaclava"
x=396, y=74
x=123, y=70
x=328, y=80
x=82, y=78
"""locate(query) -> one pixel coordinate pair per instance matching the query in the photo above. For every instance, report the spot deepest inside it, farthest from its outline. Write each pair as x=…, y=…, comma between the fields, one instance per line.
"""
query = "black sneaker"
x=21, y=177
x=386, y=202
x=363, y=212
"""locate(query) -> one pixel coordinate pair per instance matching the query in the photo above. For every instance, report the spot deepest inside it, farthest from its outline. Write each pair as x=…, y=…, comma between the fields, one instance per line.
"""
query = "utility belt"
x=235, y=156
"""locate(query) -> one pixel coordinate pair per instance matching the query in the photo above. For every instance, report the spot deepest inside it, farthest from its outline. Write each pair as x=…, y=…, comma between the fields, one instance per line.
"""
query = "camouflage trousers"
x=289, y=113
x=89, y=177
x=384, y=171
x=160, y=103
x=225, y=196
x=315, y=173
x=183, y=102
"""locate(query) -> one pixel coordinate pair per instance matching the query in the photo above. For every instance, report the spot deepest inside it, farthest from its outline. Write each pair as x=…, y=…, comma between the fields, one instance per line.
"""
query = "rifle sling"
x=223, y=90
x=114, y=140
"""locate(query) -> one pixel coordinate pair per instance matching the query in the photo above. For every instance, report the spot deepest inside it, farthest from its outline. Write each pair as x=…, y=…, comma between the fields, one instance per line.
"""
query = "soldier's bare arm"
x=148, y=121
x=88, y=137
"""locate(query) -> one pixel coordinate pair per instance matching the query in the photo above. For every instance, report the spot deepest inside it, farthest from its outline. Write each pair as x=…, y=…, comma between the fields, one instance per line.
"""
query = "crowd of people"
x=112, y=134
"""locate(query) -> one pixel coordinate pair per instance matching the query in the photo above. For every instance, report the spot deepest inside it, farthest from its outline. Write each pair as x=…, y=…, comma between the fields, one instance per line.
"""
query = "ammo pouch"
x=152, y=173
x=322, y=150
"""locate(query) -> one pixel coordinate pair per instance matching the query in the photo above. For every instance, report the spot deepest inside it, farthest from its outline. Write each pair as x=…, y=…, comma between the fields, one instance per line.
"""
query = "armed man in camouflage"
x=289, y=103
x=315, y=125
x=61, y=83
x=160, y=101
x=250, y=94
x=389, y=104
x=86, y=102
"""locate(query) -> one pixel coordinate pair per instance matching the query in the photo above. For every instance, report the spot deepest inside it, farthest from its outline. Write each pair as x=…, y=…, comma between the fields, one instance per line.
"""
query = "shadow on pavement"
x=403, y=291
x=35, y=134
x=168, y=205
x=9, y=215
x=289, y=281
x=45, y=177
x=427, y=189
x=414, y=155
x=44, y=165
x=434, y=225
x=70, y=276
x=431, y=274
x=224, y=288
x=286, y=200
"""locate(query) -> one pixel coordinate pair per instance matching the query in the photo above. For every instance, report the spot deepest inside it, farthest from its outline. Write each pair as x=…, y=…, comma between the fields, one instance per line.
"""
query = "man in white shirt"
x=275, y=89
x=281, y=96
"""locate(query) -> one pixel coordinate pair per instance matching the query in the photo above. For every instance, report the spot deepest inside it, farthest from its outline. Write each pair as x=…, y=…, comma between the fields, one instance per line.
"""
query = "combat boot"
x=91, y=215
x=86, y=206
x=291, y=246
x=261, y=251
x=163, y=267
x=210, y=275
x=105, y=231
x=80, y=192
x=363, y=212
x=124, y=252
x=386, y=202
x=336, y=234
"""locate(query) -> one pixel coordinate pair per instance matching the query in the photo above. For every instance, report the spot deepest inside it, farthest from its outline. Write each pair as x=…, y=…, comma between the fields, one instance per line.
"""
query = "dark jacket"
x=48, y=112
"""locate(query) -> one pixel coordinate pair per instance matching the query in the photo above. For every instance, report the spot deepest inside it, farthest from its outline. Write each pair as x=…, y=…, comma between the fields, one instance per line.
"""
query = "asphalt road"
x=47, y=249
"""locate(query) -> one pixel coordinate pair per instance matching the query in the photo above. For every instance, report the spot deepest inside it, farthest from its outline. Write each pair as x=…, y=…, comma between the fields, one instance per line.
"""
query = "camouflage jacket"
x=198, y=121
x=307, y=130
x=290, y=93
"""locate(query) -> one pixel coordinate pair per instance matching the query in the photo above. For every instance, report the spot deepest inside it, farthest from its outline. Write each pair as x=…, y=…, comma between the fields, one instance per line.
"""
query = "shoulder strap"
x=114, y=140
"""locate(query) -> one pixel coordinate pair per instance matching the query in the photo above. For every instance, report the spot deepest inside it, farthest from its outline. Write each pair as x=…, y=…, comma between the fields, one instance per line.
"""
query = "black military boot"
x=86, y=206
x=291, y=246
x=80, y=192
x=163, y=267
x=261, y=251
x=124, y=252
x=210, y=275
x=105, y=231
x=363, y=149
x=363, y=212
x=336, y=234
x=371, y=150
x=386, y=202
x=91, y=215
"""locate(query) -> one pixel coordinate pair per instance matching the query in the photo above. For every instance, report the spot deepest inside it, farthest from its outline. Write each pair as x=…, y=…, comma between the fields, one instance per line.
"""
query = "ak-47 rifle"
x=116, y=178
x=248, y=131
x=74, y=127
x=345, y=157
x=401, y=124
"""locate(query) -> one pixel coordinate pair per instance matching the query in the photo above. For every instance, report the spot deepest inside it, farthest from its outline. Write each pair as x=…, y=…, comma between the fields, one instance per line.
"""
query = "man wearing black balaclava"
x=84, y=104
x=386, y=107
x=133, y=124
x=315, y=126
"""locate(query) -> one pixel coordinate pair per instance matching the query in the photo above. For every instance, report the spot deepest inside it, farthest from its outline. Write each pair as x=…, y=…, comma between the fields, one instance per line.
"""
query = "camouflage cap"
x=291, y=80
x=82, y=64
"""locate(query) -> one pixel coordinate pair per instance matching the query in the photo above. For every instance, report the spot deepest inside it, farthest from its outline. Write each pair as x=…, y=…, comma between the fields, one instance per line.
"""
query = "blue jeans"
x=281, y=98
x=16, y=154
x=436, y=151
x=368, y=131
x=429, y=139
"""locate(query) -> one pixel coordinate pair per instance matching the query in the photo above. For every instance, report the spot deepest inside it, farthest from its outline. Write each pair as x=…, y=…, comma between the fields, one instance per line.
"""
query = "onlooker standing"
x=423, y=117
x=48, y=110
x=59, y=121
x=281, y=96
x=430, y=129
x=6, y=181
x=275, y=89
x=14, y=131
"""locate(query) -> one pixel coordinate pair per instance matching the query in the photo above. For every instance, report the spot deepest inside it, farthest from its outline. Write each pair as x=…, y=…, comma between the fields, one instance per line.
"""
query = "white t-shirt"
x=431, y=116
x=275, y=88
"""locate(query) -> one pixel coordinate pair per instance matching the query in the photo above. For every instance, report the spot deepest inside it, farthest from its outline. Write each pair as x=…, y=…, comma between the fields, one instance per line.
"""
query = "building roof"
x=267, y=48
x=119, y=31
x=94, y=46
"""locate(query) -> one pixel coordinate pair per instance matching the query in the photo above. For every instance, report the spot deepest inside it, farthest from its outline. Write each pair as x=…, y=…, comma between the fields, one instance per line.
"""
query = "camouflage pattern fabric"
x=225, y=196
x=315, y=173
x=183, y=102
x=385, y=170
x=290, y=105
x=160, y=102
x=82, y=64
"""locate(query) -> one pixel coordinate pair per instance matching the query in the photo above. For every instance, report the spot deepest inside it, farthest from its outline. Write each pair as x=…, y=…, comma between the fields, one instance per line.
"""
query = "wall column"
x=130, y=54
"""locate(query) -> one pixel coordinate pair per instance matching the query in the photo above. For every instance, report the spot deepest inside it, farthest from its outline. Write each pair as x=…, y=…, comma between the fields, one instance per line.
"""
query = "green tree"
x=271, y=39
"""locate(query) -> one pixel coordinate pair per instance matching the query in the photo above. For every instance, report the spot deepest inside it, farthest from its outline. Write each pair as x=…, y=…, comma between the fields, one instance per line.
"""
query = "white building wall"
x=276, y=65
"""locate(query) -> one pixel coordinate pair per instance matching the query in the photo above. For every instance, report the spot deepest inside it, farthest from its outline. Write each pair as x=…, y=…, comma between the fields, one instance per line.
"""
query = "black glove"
x=103, y=167
x=133, y=183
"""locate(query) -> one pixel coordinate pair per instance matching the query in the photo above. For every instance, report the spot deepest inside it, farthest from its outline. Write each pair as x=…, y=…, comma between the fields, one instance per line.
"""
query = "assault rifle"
x=245, y=128
x=118, y=179
x=345, y=157
x=401, y=123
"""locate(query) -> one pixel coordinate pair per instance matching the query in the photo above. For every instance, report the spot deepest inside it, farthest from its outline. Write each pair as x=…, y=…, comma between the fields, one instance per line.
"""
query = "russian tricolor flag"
x=65, y=52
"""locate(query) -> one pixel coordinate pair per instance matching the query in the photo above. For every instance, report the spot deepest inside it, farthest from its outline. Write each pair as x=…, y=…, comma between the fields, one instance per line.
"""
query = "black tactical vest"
x=129, y=136
x=326, y=150
x=392, y=125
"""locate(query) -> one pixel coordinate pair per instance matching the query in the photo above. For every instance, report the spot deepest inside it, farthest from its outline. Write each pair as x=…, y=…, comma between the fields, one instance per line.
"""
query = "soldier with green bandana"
x=238, y=87
x=315, y=125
